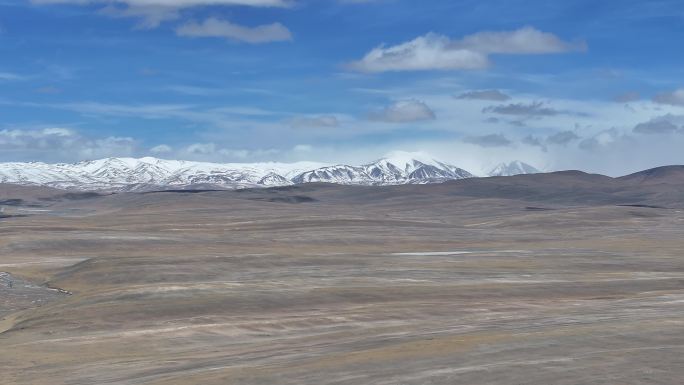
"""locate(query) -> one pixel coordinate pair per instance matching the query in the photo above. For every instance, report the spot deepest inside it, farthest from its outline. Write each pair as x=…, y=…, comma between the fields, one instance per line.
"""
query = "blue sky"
x=564, y=84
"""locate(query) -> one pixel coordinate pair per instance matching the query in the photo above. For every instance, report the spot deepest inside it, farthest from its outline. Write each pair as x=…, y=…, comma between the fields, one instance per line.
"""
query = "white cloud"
x=201, y=148
x=32, y=137
x=57, y=131
x=60, y=144
x=323, y=121
x=302, y=148
x=491, y=95
x=218, y=116
x=439, y=52
x=614, y=153
x=601, y=139
x=429, y=52
x=666, y=124
x=154, y=12
x=404, y=112
x=526, y=40
x=522, y=109
x=271, y=139
x=673, y=98
x=173, y=3
x=161, y=149
x=210, y=151
x=213, y=27
x=110, y=146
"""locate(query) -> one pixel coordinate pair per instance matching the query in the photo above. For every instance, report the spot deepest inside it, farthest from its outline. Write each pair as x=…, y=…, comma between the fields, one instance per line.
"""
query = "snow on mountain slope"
x=273, y=179
x=386, y=171
x=115, y=173
x=514, y=168
x=340, y=174
x=130, y=174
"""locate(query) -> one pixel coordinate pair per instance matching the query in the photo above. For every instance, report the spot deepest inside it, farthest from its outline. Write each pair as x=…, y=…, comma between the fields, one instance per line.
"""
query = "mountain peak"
x=515, y=167
x=402, y=159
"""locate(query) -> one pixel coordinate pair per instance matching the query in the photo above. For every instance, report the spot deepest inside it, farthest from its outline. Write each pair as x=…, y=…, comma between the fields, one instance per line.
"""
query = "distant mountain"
x=655, y=176
x=514, y=168
x=119, y=173
x=129, y=174
x=386, y=172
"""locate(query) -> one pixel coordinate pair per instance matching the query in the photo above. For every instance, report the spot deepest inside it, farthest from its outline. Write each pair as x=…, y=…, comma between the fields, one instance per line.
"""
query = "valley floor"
x=238, y=288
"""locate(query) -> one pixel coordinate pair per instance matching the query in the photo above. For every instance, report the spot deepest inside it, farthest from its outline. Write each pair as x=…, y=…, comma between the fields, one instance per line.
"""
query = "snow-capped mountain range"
x=130, y=174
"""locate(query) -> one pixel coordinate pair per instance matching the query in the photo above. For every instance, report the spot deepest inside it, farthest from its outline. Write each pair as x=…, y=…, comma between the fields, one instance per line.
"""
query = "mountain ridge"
x=138, y=174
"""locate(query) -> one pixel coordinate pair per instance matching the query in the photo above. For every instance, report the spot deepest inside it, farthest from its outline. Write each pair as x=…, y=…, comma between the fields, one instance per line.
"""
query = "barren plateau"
x=560, y=278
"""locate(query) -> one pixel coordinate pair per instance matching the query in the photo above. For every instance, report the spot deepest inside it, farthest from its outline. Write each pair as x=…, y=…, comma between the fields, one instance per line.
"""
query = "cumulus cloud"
x=522, y=109
x=492, y=140
x=438, y=52
x=154, y=12
x=602, y=139
x=666, y=124
x=491, y=95
x=526, y=40
x=429, y=52
x=404, y=112
x=672, y=98
x=325, y=121
x=213, y=27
